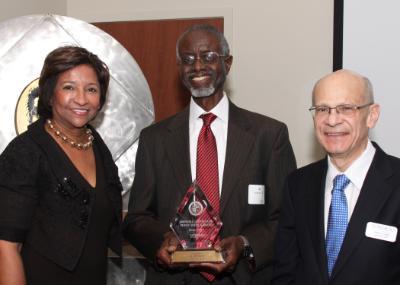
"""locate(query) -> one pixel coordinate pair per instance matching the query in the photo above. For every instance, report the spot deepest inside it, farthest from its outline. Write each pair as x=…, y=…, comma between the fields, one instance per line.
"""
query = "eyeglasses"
x=209, y=57
x=344, y=109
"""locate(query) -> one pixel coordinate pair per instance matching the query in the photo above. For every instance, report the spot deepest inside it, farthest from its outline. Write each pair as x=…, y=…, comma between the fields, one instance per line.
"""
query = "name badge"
x=381, y=232
x=256, y=195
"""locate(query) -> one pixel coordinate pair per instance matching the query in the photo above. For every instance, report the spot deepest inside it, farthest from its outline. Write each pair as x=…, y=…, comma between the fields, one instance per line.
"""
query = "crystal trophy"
x=196, y=225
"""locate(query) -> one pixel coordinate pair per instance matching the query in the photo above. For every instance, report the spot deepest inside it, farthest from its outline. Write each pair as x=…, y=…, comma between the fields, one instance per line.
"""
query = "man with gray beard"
x=251, y=154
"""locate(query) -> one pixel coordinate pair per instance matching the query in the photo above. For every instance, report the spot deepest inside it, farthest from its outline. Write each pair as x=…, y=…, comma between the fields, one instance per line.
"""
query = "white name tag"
x=381, y=231
x=256, y=194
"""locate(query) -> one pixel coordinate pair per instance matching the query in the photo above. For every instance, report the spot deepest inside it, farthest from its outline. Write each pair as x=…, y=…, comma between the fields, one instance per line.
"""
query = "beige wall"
x=280, y=49
x=15, y=8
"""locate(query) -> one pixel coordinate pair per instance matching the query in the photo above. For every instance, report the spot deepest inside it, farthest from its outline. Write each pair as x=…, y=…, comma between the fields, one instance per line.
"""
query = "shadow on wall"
x=316, y=150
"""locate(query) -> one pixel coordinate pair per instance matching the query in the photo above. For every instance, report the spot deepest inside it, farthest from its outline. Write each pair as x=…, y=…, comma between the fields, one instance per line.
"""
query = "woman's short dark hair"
x=63, y=59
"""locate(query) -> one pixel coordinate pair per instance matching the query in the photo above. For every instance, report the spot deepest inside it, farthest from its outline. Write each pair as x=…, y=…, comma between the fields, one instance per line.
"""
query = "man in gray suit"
x=254, y=156
x=340, y=215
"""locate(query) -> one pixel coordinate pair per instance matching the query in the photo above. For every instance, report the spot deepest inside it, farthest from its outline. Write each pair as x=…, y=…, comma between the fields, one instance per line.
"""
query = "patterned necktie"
x=337, y=221
x=207, y=171
x=207, y=162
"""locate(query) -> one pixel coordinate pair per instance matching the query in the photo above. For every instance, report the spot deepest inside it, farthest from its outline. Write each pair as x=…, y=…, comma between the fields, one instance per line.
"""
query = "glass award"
x=196, y=225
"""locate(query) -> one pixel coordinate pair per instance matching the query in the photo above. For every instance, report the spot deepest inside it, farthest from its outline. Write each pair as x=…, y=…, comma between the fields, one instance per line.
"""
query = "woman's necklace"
x=71, y=142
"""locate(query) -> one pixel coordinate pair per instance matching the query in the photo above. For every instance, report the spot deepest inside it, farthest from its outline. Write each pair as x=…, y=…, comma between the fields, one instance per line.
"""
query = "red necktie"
x=207, y=169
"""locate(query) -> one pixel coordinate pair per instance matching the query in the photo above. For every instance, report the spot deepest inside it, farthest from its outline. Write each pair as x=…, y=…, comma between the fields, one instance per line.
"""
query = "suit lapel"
x=375, y=191
x=114, y=188
x=177, y=148
x=315, y=200
x=238, y=146
x=49, y=148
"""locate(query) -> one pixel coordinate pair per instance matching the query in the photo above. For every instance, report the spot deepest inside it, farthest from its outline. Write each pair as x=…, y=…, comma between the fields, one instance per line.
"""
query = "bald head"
x=342, y=129
x=205, y=29
x=353, y=82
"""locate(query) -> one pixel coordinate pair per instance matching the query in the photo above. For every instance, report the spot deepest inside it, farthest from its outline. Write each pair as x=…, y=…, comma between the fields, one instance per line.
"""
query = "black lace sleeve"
x=19, y=168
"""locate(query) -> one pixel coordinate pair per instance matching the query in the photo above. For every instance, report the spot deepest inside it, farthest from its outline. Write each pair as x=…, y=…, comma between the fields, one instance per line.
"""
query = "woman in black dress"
x=60, y=194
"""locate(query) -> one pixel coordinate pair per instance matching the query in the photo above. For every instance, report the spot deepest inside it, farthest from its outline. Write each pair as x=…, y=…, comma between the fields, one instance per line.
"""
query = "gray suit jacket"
x=300, y=247
x=258, y=152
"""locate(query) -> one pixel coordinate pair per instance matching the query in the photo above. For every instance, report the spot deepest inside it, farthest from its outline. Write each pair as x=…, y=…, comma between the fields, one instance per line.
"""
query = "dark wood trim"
x=338, y=35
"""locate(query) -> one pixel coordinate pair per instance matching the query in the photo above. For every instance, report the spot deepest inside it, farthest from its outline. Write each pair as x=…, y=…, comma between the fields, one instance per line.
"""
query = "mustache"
x=193, y=74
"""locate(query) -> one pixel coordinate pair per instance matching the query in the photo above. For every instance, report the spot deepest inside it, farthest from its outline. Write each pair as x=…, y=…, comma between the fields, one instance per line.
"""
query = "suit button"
x=58, y=188
x=84, y=215
x=82, y=224
x=85, y=199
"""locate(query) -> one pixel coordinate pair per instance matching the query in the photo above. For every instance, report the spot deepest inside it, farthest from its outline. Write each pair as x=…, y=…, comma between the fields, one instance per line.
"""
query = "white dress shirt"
x=356, y=174
x=219, y=128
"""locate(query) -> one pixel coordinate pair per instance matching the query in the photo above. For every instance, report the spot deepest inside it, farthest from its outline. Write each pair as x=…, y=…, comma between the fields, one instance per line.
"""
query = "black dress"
x=92, y=266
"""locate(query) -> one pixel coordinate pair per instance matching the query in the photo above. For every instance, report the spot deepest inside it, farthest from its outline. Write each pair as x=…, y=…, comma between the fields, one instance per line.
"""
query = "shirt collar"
x=221, y=110
x=357, y=171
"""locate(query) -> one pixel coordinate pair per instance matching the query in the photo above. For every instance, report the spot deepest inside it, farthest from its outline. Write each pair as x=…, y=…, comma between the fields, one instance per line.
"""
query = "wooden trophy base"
x=197, y=256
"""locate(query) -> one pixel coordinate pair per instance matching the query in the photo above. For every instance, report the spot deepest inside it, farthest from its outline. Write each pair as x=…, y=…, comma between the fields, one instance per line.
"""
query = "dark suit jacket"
x=258, y=152
x=300, y=243
x=41, y=205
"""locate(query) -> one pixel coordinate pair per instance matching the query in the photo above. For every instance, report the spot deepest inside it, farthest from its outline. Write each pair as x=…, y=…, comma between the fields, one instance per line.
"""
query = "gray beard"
x=202, y=92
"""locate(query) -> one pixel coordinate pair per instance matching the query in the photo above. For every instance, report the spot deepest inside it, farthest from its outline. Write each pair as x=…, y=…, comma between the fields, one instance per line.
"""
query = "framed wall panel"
x=366, y=40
